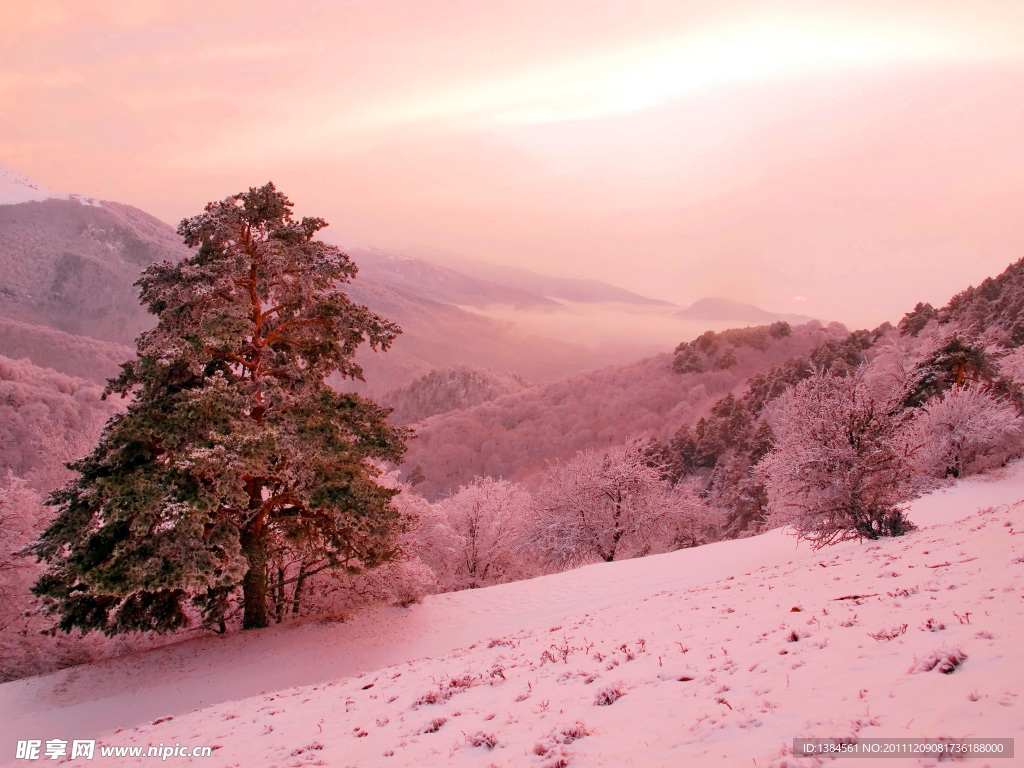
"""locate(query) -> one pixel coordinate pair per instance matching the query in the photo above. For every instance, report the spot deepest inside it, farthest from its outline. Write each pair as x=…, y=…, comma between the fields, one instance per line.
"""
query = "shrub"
x=608, y=696
x=944, y=660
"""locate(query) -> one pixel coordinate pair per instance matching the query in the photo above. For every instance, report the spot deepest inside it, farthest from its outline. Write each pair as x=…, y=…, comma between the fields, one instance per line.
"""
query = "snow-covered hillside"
x=16, y=187
x=719, y=655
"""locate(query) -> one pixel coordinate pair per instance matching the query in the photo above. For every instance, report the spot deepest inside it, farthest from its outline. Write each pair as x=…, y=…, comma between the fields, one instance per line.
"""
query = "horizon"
x=842, y=163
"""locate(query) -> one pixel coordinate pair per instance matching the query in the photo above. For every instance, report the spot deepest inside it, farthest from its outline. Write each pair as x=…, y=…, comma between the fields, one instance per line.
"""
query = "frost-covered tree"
x=17, y=503
x=686, y=520
x=1011, y=368
x=19, y=506
x=24, y=648
x=602, y=506
x=233, y=447
x=838, y=469
x=964, y=429
x=914, y=322
x=484, y=521
x=738, y=489
x=896, y=369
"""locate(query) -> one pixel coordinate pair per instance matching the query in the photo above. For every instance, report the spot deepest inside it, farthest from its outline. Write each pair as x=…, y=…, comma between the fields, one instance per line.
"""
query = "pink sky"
x=837, y=159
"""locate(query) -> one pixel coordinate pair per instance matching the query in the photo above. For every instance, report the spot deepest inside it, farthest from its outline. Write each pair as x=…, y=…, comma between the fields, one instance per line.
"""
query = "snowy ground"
x=713, y=656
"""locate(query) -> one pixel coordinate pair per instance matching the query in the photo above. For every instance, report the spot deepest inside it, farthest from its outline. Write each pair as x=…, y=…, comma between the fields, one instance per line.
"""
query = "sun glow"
x=655, y=72
x=589, y=81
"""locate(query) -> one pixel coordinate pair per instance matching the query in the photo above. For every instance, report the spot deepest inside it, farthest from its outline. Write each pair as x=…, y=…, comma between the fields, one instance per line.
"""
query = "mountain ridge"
x=584, y=290
x=717, y=308
x=68, y=265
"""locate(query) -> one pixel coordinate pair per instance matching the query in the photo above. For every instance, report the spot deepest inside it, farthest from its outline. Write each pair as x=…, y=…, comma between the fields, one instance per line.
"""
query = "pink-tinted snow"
x=714, y=663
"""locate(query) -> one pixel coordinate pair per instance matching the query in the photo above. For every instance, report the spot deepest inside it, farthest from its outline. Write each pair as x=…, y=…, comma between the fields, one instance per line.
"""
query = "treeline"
x=514, y=436
x=78, y=356
x=449, y=389
x=938, y=396
x=46, y=420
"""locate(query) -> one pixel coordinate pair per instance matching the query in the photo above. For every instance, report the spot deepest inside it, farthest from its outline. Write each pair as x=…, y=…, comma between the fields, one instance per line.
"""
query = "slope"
x=16, y=187
x=717, y=655
x=517, y=434
x=572, y=289
x=71, y=267
x=441, y=284
x=80, y=356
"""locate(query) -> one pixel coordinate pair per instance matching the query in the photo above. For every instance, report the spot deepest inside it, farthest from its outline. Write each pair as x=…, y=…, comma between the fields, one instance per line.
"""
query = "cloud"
x=12, y=80
x=244, y=51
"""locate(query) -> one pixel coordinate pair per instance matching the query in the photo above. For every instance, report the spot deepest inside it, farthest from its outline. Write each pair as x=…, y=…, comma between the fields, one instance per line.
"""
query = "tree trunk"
x=254, y=585
x=279, y=595
x=617, y=531
x=297, y=594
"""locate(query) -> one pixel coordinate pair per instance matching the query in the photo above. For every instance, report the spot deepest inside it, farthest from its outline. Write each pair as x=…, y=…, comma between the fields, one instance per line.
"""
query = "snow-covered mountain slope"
x=72, y=267
x=16, y=187
x=719, y=655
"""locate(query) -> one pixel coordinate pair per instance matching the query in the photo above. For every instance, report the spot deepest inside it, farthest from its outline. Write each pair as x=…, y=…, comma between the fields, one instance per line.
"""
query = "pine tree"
x=952, y=363
x=234, y=447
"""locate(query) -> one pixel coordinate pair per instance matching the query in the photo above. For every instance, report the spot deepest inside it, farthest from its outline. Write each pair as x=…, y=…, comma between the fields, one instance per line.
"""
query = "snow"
x=16, y=187
x=692, y=655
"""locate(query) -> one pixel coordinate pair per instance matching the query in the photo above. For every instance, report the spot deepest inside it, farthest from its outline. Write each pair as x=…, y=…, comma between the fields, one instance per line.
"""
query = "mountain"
x=572, y=289
x=67, y=353
x=717, y=309
x=576, y=289
x=16, y=187
x=437, y=334
x=68, y=265
x=441, y=284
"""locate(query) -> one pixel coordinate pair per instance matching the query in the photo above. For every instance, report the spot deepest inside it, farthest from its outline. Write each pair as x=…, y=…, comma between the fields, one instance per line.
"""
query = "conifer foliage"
x=234, y=450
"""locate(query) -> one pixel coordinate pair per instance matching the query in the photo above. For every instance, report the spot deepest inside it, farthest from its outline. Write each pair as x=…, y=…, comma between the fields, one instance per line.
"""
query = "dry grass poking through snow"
x=913, y=637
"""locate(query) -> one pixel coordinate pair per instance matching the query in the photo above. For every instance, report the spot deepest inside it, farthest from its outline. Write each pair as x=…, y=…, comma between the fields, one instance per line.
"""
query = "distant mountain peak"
x=555, y=289
x=16, y=187
x=717, y=308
